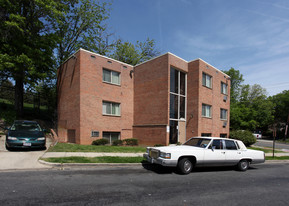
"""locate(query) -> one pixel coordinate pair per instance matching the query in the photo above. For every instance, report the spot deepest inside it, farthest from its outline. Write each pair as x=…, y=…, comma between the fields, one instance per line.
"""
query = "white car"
x=205, y=151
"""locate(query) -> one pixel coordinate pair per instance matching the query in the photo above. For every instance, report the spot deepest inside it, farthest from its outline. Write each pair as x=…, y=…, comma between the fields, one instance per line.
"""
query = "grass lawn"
x=278, y=158
x=95, y=159
x=66, y=147
x=266, y=150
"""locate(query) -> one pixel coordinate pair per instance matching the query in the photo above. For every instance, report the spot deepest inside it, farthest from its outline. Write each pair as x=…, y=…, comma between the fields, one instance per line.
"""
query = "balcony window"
x=111, y=108
x=207, y=80
x=206, y=110
x=111, y=77
x=224, y=88
x=224, y=113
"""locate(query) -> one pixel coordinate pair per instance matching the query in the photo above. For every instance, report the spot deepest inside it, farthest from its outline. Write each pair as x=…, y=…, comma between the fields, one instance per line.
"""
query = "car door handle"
x=223, y=152
x=238, y=152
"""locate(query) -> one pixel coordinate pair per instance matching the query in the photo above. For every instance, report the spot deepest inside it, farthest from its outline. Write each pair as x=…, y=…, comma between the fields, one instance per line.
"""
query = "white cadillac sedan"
x=203, y=152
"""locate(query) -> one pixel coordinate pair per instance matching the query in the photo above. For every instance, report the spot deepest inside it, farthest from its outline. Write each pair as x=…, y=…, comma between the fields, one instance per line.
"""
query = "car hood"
x=176, y=148
x=25, y=134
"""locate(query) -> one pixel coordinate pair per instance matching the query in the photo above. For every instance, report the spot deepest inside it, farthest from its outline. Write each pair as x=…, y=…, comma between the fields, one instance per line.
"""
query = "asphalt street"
x=264, y=184
x=269, y=143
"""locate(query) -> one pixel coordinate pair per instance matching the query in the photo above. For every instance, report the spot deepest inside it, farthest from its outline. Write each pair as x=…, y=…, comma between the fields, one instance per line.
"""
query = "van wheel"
x=243, y=165
x=185, y=166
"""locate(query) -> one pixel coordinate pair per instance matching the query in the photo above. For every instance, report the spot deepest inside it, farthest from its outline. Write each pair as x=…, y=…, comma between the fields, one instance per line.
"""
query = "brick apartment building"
x=162, y=101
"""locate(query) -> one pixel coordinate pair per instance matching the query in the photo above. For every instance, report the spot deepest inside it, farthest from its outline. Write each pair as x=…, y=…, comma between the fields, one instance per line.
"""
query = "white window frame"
x=223, y=112
x=224, y=88
x=207, y=110
x=207, y=80
x=112, y=104
x=111, y=81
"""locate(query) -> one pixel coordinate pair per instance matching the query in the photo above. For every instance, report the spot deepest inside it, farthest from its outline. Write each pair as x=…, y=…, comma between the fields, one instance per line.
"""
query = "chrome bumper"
x=160, y=161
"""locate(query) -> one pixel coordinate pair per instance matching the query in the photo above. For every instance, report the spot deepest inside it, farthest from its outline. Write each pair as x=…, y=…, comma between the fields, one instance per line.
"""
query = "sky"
x=251, y=36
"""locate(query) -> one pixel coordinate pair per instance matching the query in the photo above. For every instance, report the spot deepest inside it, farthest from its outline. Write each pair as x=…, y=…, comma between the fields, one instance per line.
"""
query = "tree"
x=27, y=42
x=83, y=26
x=281, y=103
x=236, y=81
x=253, y=110
x=134, y=54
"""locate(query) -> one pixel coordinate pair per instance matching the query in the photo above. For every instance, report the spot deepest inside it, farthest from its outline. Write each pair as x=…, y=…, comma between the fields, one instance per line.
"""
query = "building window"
x=224, y=88
x=207, y=80
x=111, y=77
x=110, y=108
x=94, y=133
x=224, y=113
x=223, y=135
x=206, y=134
x=111, y=136
x=206, y=110
x=177, y=94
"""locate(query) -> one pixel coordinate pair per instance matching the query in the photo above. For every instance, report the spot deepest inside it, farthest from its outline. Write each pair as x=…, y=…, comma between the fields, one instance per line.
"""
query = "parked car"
x=25, y=134
x=205, y=151
x=257, y=134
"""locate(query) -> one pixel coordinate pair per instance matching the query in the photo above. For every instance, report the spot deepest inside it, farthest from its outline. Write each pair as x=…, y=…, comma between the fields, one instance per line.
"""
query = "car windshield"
x=198, y=142
x=25, y=127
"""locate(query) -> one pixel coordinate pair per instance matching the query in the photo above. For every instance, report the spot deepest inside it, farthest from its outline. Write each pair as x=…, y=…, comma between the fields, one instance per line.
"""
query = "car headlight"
x=12, y=138
x=41, y=138
x=148, y=150
x=165, y=155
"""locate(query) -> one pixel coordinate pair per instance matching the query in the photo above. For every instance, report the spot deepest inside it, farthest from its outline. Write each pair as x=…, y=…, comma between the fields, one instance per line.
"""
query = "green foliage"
x=236, y=81
x=117, y=142
x=159, y=145
x=100, y=142
x=131, y=142
x=244, y=135
x=281, y=103
x=83, y=26
x=134, y=54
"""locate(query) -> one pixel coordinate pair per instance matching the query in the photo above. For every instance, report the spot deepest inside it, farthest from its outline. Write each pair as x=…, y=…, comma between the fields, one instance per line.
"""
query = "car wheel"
x=243, y=165
x=8, y=148
x=185, y=166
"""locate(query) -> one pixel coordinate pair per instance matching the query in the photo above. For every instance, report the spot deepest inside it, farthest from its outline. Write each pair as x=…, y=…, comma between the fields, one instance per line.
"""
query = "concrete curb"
x=91, y=164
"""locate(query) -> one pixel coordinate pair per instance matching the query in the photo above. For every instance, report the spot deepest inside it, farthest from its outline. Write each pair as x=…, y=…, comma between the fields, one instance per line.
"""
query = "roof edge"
x=209, y=65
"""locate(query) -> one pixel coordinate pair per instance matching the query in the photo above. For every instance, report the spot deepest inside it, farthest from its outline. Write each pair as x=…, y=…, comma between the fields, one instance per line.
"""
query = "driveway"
x=20, y=159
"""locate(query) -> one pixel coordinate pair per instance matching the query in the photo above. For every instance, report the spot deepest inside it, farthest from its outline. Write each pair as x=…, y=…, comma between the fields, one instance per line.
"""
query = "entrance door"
x=174, y=132
x=177, y=131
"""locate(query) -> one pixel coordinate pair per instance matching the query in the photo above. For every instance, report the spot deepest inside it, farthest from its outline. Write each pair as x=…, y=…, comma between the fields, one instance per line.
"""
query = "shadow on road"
x=169, y=170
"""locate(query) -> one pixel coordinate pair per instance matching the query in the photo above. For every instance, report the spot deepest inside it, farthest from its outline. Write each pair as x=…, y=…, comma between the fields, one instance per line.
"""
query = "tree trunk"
x=19, y=90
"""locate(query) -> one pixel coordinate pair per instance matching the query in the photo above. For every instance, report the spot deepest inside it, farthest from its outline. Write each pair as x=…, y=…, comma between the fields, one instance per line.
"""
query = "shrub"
x=159, y=145
x=244, y=135
x=117, y=142
x=100, y=142
x=131, y=142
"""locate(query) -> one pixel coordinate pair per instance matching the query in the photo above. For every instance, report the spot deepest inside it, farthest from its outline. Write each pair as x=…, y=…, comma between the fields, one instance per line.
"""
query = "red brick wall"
x=93, y=91
x=212, y=97
x=68, y=83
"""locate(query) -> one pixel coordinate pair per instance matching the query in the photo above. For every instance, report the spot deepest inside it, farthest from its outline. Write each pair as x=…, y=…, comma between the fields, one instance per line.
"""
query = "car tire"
x=8, y=148
x=243, y=165
x=185, y=166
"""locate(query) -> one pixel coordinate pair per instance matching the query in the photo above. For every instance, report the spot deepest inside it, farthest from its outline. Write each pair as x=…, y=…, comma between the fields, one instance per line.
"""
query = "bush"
x=100, y=142
x=244, y=135
x=159, y=145
x=131, y=142
x=117, y=142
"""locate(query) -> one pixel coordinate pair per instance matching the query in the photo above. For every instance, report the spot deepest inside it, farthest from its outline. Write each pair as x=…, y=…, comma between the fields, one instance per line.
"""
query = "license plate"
x=28, y=144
